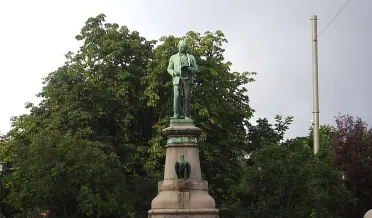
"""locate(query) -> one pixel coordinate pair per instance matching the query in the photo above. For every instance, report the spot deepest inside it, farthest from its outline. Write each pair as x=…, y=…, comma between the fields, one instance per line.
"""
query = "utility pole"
x=315, y=84
x=315, y=98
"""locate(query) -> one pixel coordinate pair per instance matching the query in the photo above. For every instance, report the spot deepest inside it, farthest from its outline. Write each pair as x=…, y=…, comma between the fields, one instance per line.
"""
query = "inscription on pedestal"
x=181, y=132
x=181, y=139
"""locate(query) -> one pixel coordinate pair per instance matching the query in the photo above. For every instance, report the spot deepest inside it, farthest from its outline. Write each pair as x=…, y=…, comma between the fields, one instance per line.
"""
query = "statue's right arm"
x=171, y=67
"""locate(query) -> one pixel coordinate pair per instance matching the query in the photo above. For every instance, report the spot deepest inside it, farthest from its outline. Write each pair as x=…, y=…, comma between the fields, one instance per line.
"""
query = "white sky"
x=271, y=37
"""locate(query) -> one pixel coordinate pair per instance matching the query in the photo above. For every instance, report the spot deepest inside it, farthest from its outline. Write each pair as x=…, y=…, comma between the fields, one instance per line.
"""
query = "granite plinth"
x=177, y=197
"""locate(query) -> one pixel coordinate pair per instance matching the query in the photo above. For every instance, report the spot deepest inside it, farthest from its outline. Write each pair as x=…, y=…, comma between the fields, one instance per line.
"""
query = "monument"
x=183, y=192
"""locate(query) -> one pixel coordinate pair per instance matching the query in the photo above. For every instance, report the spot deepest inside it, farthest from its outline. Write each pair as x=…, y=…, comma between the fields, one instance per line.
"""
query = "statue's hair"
x=181, y=42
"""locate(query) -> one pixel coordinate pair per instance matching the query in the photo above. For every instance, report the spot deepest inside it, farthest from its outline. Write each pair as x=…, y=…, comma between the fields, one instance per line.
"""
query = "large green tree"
x=69, y=177
x=97, y=95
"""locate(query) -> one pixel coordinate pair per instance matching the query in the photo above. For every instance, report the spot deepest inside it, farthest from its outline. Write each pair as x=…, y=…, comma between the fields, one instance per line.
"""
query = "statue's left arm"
x=193, y=67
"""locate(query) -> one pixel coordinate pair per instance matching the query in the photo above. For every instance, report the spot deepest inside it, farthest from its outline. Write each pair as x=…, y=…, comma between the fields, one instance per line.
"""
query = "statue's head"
x=182, y=156
x=182, y=46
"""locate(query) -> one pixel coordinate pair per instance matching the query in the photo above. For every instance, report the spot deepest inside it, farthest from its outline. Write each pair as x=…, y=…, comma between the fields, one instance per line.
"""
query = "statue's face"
x=182, y=48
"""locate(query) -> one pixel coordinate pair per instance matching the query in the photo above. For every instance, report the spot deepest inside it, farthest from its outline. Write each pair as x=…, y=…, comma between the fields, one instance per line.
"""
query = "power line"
x=339, y=12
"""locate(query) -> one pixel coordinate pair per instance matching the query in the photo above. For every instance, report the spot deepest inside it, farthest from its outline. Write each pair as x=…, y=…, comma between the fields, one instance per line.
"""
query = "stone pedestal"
x=177, y=197
x=368, y=214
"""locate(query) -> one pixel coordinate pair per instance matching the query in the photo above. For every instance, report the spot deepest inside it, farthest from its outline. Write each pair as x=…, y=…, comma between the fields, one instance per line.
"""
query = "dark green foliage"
x=3, y=138
x=97, y=95
x=66, y=175
x=286, y=179
x=265, y=133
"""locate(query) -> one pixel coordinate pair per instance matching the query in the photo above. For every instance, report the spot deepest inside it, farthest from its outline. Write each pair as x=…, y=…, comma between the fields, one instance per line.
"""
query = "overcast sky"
x=270, y=37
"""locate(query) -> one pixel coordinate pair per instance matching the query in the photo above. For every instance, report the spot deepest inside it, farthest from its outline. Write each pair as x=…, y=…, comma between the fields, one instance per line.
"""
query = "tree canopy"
x=352, y=155
x=69, y=176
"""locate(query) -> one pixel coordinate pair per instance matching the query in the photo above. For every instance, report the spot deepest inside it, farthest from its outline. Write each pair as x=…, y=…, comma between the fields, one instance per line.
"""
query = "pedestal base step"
x=184, y=213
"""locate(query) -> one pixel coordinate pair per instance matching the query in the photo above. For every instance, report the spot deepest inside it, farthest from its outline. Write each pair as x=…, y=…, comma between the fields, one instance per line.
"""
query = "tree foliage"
x=3, y=138
x=69, y=176
x=97, y=95
x=264, y=133
x=352, y=154
x=285, y=179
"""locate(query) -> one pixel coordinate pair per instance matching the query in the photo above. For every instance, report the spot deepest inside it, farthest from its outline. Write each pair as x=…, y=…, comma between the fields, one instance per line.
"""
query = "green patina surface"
x=178, y=140
x=182, y=67
x=182, y=121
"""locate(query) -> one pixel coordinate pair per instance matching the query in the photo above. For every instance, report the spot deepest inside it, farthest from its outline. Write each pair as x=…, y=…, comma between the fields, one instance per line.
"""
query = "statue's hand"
x=176, y=74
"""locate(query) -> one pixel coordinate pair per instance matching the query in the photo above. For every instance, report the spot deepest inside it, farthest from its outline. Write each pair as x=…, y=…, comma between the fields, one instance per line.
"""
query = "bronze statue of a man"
x=182, y=67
